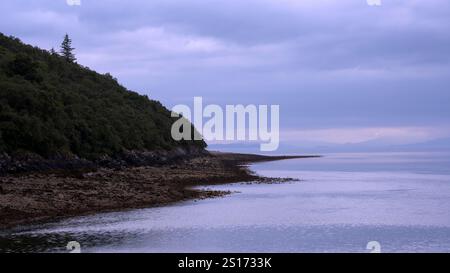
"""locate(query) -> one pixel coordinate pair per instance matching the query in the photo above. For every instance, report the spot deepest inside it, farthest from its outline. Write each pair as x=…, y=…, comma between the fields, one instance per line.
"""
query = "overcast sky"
x=341, y=71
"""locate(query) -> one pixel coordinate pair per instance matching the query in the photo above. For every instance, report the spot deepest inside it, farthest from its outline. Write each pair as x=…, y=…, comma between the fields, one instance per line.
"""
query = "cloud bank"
x=329, y=64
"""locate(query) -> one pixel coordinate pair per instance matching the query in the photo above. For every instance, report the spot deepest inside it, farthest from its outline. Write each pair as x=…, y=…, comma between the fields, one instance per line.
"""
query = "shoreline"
x=42, y=197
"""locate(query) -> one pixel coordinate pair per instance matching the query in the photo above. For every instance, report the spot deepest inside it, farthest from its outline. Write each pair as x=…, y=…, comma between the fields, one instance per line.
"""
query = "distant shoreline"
x=40, y=197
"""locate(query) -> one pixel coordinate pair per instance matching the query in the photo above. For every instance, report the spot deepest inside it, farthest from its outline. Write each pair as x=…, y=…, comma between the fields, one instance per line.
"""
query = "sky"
x=342, y=71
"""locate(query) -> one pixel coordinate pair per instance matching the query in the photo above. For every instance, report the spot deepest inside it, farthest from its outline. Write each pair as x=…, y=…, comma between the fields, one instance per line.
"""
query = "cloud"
x=327, y=63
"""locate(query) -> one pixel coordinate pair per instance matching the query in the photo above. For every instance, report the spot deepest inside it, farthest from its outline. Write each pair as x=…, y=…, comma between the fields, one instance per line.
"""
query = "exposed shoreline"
x=38, y=197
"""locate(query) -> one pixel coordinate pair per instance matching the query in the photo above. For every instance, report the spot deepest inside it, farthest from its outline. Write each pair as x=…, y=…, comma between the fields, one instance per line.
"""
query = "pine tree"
x=67, y=50
x=52, y=51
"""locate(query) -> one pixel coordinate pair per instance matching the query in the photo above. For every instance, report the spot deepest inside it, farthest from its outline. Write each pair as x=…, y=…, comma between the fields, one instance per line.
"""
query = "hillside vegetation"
x=49, y=106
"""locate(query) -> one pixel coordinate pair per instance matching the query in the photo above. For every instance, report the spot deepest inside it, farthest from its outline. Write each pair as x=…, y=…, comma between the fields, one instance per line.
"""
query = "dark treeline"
x=52, y=106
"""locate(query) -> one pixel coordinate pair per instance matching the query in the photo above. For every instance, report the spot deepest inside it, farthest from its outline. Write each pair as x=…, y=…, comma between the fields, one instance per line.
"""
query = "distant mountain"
x=442, y=144
x=50, y=106
x=376, y=145
x=382, y=145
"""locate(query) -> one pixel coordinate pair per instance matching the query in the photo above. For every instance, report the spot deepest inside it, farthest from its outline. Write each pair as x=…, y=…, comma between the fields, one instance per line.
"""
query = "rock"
x=29, y=162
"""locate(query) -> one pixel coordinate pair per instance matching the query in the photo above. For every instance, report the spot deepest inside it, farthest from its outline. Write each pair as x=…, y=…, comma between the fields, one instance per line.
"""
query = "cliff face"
x=55, y=111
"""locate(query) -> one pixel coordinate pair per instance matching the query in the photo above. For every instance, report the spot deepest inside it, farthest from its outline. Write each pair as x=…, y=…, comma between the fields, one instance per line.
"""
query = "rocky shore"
x=40, y=196
x=20, y=163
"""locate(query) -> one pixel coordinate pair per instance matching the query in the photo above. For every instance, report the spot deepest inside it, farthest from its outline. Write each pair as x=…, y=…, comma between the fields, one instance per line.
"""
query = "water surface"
x=343, y=201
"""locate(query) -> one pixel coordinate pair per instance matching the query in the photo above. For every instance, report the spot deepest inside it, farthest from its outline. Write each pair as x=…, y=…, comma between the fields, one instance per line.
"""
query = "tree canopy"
x=50, y=106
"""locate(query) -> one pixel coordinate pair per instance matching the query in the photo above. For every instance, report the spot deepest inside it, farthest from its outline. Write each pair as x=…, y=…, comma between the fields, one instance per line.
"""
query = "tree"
x=53, y=52
x=52, y=108
x=23, y=65
x=67, y=50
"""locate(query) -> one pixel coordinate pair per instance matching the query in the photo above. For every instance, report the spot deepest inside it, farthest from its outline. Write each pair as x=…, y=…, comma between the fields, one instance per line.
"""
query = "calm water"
x=343, y=201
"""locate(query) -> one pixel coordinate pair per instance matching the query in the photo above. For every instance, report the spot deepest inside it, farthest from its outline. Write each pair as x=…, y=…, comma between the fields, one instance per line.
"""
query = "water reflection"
x=333, y=209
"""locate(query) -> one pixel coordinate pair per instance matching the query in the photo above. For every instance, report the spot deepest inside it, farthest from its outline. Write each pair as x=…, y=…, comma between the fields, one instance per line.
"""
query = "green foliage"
x=67, y=50
x=50, y=106
x=24, y=66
